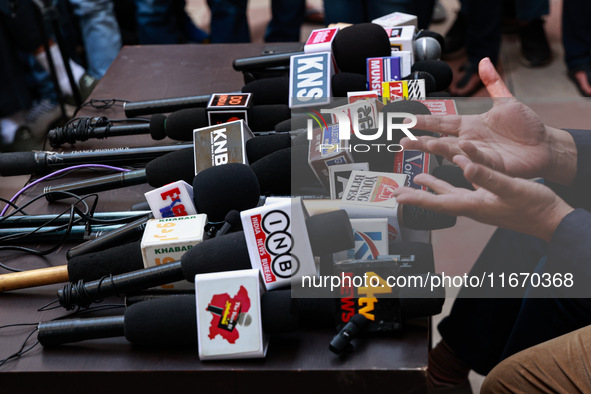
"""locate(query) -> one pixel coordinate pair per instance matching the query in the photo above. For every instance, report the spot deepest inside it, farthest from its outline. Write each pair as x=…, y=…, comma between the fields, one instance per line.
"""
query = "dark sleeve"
x=569, y=251
x=579, y=194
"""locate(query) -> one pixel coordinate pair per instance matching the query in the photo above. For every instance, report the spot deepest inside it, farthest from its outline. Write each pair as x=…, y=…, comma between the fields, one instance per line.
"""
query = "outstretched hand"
x=509, y=138
x=512, y=203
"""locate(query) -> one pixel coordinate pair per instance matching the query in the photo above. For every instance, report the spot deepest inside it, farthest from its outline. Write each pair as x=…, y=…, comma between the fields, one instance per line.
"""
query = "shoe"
x=581, y=69
x=470, y=82
x=439, y=13
x=455, y=39
x=40, y=117
x=535, y=50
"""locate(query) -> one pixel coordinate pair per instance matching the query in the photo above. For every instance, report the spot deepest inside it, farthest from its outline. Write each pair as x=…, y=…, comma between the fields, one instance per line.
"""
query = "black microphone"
x=341, y=343
x=171, y=167
x=261, y=146
x=439, y=70
x=273, y=90
x=226, y=253
x=345, y=82
x=430, y=84
x=350, y=48
x=232, y=223
x=39, y=220
x=25, y=163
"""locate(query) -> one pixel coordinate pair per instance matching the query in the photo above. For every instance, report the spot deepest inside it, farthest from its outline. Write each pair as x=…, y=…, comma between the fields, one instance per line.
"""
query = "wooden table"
x=295, y=363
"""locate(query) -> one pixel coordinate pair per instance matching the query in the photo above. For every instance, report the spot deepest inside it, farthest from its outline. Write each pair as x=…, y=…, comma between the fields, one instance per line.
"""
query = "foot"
x=581, y=76
x=535, y=50
x=469, y=83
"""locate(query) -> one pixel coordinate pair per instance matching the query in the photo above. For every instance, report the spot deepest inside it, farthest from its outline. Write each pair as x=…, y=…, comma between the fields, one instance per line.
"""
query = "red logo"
x=225, y=312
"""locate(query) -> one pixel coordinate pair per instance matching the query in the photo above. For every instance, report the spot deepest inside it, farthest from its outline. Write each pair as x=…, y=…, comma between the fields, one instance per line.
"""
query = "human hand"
x=512, y=203
x=509, y=138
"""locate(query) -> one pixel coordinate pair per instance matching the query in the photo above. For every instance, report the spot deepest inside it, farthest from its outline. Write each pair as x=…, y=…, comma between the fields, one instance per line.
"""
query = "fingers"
x=492, y=80
x=476, y=154
x=491, y=180
x=445, y=146
x=448, y=124
x=437, y=185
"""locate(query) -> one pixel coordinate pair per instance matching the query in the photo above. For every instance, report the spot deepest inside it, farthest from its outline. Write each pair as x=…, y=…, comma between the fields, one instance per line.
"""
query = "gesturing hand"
x=512, y=203
x=509, y=138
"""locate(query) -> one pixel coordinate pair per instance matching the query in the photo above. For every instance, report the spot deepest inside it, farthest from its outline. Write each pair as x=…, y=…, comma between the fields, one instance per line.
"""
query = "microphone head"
x=95, y=265
x=426, y=48
x=432, y=34
x=439, y=70
x=268, y=90
x=416, y=218
x=18, y=163
x=330, y=232
x=344, y=82
x=274, y=173
x=234, y=220
x=171, y=167
x=226, y=253
x=265, y=117
x=157, y=127
x=261, y=146
x=218, y=190
x=354, y=44
x=180, y=124
x=430, y=84
x=162, y=322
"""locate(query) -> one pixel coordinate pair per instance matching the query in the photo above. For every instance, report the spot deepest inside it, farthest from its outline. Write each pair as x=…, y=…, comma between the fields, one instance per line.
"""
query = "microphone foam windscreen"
x=416, y=218
x=268, y=90
x=18, y=163
x=180, y=124
x=157, y=127
x=265, y=117
x=116, y=260
x=171, y=167
x=343, y=82
x=162, y=322
x=261, y=146
x=354, y=44
x=218, y=190
x=330, y=232
x=439, y=70
x=274, y=173
x=226, y=253
x=279, y=312
x=430, y=84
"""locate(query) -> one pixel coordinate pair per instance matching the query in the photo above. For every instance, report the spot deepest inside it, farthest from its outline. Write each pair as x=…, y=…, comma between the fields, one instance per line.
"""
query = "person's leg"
x=483, y=39
x=561, y=365
x=535, y=49
x=229, y=23
x=576, y=38
x=100, y=32
x=479, y=324
x=156, y=22
x=286, y=21
x=351, y=11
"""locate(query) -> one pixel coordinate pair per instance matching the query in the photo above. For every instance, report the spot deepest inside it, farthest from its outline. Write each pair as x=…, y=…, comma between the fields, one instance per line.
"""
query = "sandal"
x=470, y=82
x=572, y=76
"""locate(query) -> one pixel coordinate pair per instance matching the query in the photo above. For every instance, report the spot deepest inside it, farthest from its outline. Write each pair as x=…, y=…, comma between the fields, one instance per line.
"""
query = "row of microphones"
x=179, y=125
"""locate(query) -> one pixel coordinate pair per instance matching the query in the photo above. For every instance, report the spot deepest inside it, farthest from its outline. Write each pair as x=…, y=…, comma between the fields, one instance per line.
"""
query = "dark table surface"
x=295, y=362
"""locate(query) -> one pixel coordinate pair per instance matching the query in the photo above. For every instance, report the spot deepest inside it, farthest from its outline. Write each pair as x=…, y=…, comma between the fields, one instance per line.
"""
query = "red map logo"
x=225, y=312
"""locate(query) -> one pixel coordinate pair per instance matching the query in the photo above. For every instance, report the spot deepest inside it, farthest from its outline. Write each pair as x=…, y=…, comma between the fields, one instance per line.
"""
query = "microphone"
x=264, y=145
x=345, y=82
x=160, y=171
x=439, y=70
x=25, y=163
x=232, y=223
x=227, y=253
x=39, y=220
x=426, y=48
x=430, y=84
x=264, y=91
x=341, y=343
x=85, y=267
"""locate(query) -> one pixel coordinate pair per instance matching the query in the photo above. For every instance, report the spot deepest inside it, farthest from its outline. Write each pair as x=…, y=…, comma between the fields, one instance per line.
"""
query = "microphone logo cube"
x=220, y=144
x=229, y=323
x=172, y=200
x=309, y=79
x=320, y=40
x=278, y=243
x=166, y=240
x=412, y=163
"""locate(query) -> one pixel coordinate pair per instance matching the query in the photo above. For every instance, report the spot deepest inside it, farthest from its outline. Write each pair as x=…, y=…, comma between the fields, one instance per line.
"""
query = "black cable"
x=100, y=104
